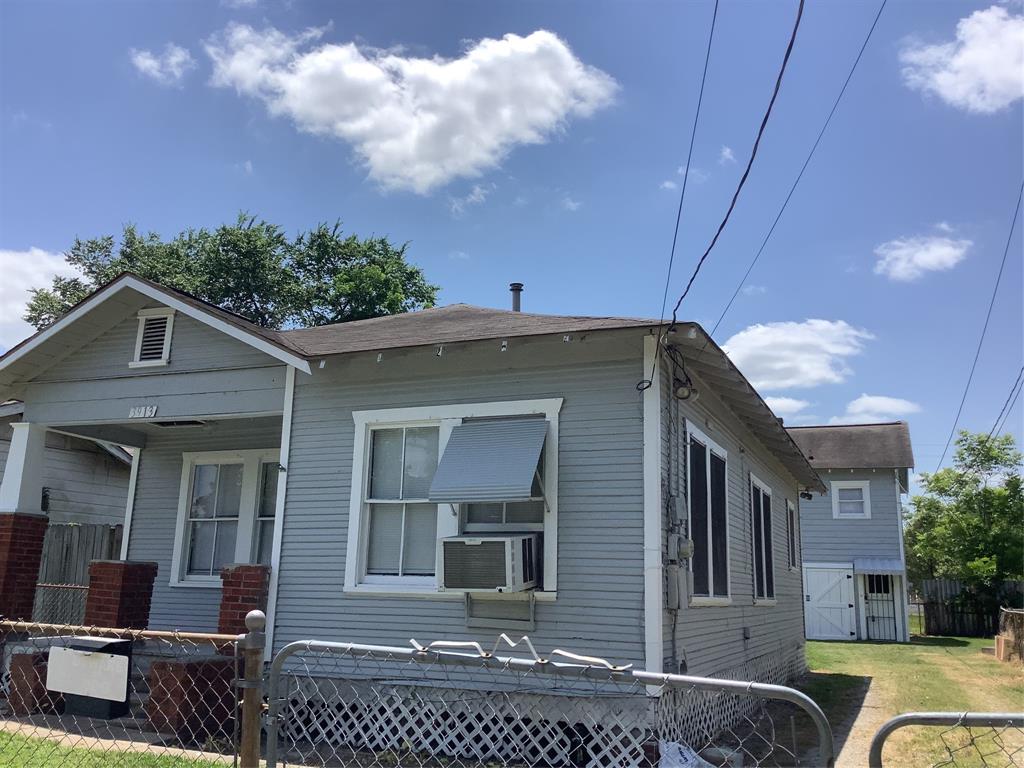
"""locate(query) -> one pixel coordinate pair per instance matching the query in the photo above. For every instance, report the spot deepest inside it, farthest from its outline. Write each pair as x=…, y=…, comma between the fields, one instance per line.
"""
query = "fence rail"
x=349, y=705
x=970, y=738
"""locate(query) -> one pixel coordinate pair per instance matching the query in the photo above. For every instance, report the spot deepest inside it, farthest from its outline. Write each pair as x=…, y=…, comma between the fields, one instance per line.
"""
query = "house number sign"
x=142, y=412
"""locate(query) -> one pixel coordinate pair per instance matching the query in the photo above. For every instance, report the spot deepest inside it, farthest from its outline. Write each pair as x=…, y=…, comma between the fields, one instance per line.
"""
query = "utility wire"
x=689, y=156
x=1010, y=398
x=984, y=328
x=800, y=175
x=1012, y=403
x=750, y=162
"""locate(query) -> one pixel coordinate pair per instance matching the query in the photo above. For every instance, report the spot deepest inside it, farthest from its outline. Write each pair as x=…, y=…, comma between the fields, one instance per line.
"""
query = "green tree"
x=251, y=268
x=969, y=523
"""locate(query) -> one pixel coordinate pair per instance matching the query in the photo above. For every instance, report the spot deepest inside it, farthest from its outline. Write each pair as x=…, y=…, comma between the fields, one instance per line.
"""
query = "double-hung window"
x=851, y=499
x=792, y=534
x=761, y=525
x=226, y=511
x=401, y=521
x=707, y=465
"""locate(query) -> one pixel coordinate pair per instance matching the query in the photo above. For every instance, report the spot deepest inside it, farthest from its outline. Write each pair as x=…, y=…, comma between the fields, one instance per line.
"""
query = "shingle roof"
x=856, y=446
x=442, y=325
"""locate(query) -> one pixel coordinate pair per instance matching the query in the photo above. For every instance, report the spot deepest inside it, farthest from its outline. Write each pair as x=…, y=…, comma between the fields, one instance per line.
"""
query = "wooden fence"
x=64, y=570
x=952, y=608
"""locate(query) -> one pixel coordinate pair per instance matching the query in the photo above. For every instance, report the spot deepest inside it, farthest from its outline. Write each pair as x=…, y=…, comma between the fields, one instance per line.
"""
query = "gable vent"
x=154, y=334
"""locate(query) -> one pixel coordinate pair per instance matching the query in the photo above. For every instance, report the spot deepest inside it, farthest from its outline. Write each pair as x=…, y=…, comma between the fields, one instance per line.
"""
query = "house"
x=452, y=474
x=855, y=576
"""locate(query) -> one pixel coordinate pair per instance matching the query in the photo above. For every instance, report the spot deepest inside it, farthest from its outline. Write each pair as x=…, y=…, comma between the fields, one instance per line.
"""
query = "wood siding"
x=827, y=540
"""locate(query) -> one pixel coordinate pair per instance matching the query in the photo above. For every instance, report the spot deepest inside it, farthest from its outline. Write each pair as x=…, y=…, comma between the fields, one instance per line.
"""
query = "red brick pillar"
x=120, y=594
x=244, y=589
x=21, y=548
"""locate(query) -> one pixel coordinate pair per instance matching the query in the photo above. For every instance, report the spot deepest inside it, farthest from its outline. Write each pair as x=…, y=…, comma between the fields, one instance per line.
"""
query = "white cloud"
x=22, y=270
x=458, y=256
x=476, y=196
x=786, y=355
x=908, y=258
x=239, y=4
x=982, y=70
x=167, y=68
x=415, y=123
x=944, y=226
x=873, y=408
x=754, y=290
x=669, y=185
x=786, y=406
x=726, y=155
x=696, y=174
x=569, y=204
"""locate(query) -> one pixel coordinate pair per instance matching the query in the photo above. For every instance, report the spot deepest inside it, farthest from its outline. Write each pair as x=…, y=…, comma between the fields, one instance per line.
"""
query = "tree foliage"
x=969, y=523
x=251, y=268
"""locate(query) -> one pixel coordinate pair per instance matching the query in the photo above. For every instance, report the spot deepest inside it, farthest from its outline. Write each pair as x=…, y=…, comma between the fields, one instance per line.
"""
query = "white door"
x=829, y=612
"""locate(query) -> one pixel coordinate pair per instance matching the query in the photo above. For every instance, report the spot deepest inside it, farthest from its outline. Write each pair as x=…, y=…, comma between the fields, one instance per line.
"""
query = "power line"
x=984, y=328
x=1010, y=398
x=1008, y=410
x=800, y=175
x=689, y=156
x=750, y=162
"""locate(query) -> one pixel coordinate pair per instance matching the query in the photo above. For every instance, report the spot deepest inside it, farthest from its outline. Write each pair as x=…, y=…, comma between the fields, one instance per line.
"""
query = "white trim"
x=768, y=602
x=837, y=485
x=769, y=562
x=860, y=590
x=21, y=488
x=693, y=431
x=446, y=417
x=133, y=479
x=171, y=301
x=282, y=486
x=833, y=566
x=654, y=581
x=903, y=557
x=250, y=461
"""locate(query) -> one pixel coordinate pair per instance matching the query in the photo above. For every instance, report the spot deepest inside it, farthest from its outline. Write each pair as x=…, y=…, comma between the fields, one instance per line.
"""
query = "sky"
x=546, y=143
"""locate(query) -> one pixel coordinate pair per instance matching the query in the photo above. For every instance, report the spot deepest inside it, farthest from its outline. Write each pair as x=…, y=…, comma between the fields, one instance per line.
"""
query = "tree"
x=969, y=523
x=253, y=269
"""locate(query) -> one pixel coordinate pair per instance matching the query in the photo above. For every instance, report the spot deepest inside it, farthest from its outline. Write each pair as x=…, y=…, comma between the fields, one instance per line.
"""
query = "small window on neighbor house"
x=764, y=562
x=791, y=531
x=851, y=499
x=153, y=341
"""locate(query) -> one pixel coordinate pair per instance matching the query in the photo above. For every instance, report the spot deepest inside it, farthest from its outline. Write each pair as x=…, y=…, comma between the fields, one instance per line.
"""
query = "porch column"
x=21, y=549
x=120, y=594
x=22, y=486
x=244, y=588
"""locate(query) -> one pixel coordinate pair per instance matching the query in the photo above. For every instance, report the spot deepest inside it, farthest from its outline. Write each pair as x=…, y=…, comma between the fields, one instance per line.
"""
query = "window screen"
x=707, y=481
x=699, y=517
x=791, y=524
x=761, y=528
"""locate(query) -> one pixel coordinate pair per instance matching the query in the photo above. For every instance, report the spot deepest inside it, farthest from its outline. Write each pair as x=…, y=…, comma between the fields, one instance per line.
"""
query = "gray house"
x=855, y=578
x=453, y=473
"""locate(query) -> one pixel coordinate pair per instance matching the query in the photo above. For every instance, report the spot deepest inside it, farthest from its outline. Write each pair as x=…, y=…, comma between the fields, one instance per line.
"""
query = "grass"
x=947, y=674
x=18, y=751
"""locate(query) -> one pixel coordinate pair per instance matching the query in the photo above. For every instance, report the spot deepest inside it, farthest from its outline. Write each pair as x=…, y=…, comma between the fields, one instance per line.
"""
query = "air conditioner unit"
x=490, y=563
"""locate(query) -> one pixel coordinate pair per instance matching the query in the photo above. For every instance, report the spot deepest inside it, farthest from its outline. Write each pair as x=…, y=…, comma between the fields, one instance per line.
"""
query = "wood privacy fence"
x=64, y=569
x=953, y=608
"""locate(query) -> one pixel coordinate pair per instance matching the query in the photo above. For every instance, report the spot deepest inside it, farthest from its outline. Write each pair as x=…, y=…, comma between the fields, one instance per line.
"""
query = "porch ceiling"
x=137, y=433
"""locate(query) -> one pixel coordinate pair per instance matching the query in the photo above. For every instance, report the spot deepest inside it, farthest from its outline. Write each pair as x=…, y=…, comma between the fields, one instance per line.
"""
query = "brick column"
x=21, y=548
x=120, y=594
x=245, y=589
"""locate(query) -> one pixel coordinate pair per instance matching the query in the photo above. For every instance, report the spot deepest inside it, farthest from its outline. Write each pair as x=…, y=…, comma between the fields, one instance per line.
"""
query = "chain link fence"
x=455, y=704
x=86, y=696
x=963, y=739
x=60, y=603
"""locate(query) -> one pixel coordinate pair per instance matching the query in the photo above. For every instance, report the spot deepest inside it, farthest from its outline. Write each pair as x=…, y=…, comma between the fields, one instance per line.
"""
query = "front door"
x=880, y=606
x=829, y=612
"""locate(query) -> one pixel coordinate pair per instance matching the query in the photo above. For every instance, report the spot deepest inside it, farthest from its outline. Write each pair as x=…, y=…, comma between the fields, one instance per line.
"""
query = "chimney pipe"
x=517, y=292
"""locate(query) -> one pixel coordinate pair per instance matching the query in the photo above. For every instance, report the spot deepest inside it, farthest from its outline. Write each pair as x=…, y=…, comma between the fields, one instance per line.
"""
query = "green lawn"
x=929, y=674
x=21, y=752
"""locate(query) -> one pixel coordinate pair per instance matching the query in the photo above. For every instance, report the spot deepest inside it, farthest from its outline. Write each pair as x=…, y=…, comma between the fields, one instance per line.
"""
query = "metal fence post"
x=251, y=684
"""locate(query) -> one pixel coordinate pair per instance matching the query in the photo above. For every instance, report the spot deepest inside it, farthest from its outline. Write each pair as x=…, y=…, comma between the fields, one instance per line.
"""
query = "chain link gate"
x=967, y=738
x=455, y=704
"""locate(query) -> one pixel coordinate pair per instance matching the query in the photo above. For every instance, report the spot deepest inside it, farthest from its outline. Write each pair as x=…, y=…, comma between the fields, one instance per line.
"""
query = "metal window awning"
x=878, y=565
x=489, y=461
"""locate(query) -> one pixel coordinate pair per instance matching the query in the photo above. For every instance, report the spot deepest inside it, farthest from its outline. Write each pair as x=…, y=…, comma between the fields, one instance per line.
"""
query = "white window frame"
x=446, y=417
x=245, y=544
x=769, y=562
x=165, y=357
x=692, y=430
x=792, y=536
x=837, y=485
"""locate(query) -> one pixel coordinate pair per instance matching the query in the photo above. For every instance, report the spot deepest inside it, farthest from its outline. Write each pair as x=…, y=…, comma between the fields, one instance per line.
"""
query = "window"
x=402, y=523
x=851, y=499
x=426, y=473
x=709, y=527
x=153, y=340
x=226, y=510
x=791, y=530
x=878, y=584
x=763, y=559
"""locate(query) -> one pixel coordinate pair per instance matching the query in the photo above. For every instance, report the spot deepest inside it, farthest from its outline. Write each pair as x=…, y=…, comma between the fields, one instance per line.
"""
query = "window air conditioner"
x=490, y=563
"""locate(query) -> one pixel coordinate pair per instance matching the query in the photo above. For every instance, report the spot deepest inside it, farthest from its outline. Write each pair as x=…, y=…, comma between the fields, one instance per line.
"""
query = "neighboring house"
x=446, y=474
x=84, y=481
x=855, y=576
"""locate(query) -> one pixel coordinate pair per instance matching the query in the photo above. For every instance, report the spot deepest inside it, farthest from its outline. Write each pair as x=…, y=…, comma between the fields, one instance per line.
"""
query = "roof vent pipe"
x=517, y=293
